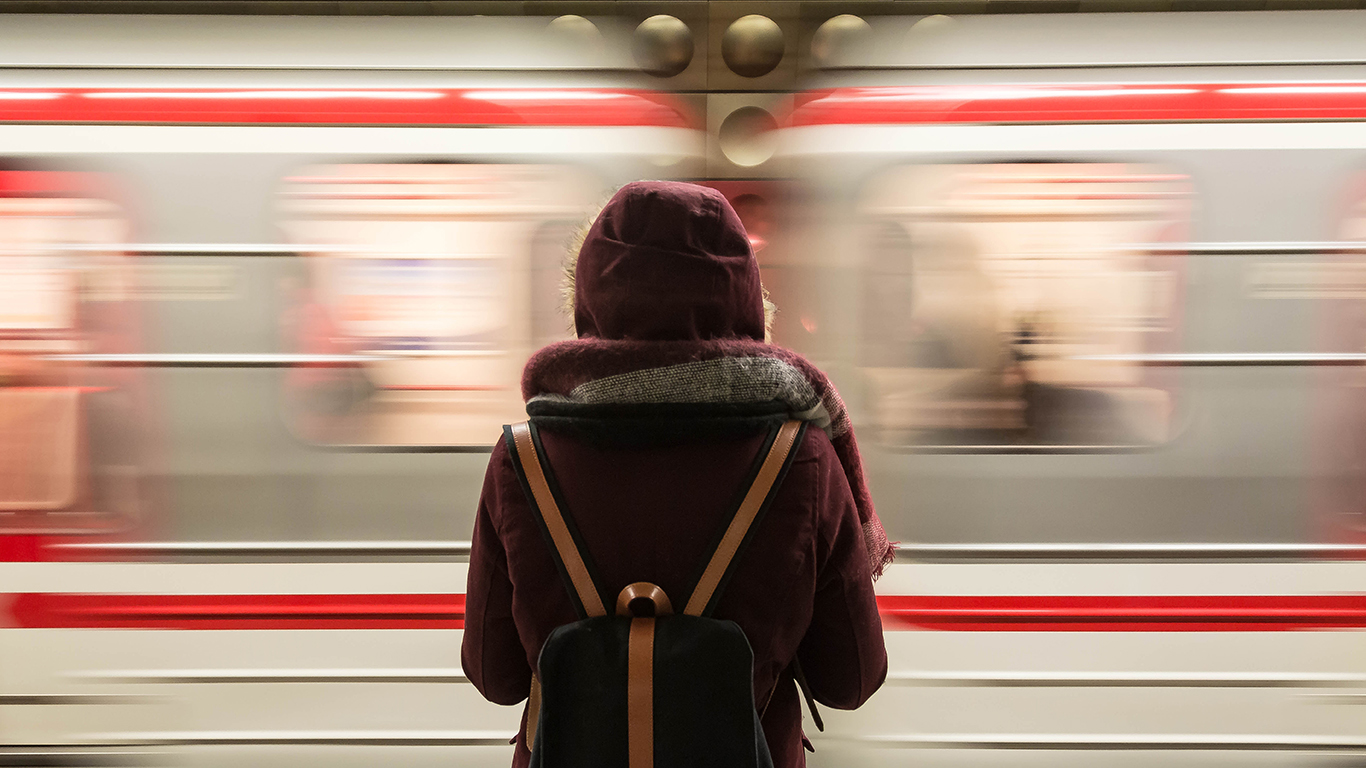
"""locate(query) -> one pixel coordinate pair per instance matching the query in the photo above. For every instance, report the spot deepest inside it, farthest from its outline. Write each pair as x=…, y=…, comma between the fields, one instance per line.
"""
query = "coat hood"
x=667, y=261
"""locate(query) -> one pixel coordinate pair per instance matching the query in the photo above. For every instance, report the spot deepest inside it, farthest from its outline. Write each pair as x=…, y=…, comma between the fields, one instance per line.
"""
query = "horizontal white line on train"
x=1099, y=742
x=189, y=548
x=236, y=578
x=1352, y=699
x=963, y=679
x=1127, y=679
x=58, y=755
x=273, y=738
x=286, y=360
x=1119, y=551
x=844, y=140
x=413, y=675
x=986, y=579
x=1123, y=579
x=66, y=699
x=650, y=142
x=259, y=359
x=229, y=250
x=905, y=550
x=1115, y=742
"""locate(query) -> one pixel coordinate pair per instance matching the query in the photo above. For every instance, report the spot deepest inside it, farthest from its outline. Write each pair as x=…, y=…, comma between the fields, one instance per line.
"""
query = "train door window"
x=68, y=451
x=1008, y=304
x=431, y=277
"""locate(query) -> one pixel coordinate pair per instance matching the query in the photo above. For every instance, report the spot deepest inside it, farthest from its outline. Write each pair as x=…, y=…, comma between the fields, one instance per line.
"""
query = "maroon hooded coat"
x=670, y=262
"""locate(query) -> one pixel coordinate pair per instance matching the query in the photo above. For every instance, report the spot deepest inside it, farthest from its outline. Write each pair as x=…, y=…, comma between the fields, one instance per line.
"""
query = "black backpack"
x=646, y=688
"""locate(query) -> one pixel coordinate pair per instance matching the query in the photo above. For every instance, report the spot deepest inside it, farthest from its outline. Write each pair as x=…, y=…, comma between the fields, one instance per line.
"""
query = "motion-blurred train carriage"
x=1082, y=291
x=1093, y=287
x=343, y=238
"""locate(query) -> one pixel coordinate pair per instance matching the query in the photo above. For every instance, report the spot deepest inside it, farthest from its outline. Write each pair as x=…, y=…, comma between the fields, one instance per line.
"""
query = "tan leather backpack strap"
x=640, y=694
x=750, y=507
x=543, y=504
x=533, y=712
x=640, y=668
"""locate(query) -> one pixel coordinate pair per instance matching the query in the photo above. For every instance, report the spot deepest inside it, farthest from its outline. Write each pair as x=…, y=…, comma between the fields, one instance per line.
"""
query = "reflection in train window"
x=993, y=294
x=70, y=448
x=431, y=277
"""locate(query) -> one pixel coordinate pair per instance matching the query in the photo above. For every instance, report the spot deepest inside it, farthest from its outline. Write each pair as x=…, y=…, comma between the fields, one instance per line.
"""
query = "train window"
x=1004, y=304
x=69, y=451
x=431, y=277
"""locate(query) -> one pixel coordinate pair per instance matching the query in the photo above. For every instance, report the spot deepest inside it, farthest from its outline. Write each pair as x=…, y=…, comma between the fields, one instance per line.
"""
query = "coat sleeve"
x=842, y=653
x=491, y=653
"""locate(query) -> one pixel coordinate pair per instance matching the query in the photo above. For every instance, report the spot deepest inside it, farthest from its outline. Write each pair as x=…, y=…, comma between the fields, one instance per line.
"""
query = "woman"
x=648, y=421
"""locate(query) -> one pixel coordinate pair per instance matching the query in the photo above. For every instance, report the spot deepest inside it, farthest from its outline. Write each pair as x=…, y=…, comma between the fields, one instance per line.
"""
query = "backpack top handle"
x=634, y=598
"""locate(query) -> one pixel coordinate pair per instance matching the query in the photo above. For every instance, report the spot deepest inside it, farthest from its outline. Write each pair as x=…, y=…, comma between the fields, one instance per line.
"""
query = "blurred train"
x=1094, y=287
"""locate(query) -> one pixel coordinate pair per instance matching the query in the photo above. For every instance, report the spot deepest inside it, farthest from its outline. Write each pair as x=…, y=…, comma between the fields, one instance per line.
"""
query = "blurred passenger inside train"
x=955, y=367
x=651, y=422
x=1001, y=312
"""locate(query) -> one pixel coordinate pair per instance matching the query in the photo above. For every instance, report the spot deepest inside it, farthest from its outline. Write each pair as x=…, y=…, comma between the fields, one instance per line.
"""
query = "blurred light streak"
x=1109, y=679
x=338, y=675
x=220, y=360
x=1223, y=359
x=1126, y=613
x=556, y=95
x=992, y=93
x=631, y=135
x=58, y=610
x=272, y=94
x=1164, y=742
x=1286, y=89
x=1125, y=551
x=249, y=548
x=346, y=738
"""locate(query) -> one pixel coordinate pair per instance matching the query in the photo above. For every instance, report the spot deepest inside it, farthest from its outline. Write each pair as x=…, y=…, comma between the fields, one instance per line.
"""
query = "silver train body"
x=1095, y=300
x=959, y=177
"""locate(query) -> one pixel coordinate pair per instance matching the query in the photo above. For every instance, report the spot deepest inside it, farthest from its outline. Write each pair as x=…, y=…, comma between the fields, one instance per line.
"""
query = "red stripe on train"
x=53, y=610
x=1108, y=613
x=1100, y=613
x=1082, y=103
x=424, y=107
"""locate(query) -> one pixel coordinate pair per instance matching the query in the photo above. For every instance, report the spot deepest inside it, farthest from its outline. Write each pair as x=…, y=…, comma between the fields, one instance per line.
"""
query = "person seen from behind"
x=652, y=420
